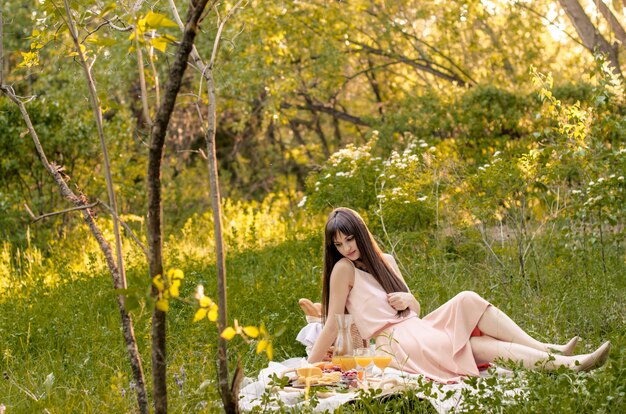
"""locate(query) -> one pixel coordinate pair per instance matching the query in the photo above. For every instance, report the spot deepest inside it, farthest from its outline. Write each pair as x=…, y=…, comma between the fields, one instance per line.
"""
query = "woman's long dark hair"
x=350, y=223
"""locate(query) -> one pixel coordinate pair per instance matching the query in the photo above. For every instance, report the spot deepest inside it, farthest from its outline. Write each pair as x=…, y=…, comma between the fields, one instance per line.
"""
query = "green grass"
x=71, y=328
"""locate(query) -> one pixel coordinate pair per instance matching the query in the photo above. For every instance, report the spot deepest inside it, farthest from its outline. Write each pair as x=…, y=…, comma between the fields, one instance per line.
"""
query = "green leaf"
x=131, y=303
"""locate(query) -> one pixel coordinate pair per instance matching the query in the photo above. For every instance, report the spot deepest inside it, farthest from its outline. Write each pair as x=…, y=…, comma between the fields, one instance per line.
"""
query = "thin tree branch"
x=483, y=236
x=142, y=78
x=56, y=213
x=328, y=110
x=89, y=33
x=126, y=227
x=119, y=28
x=550, y=22
x=423, y=55
x=426, y=66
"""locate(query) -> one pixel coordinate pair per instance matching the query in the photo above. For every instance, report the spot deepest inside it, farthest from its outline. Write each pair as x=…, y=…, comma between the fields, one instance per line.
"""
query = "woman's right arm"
x=341, y=281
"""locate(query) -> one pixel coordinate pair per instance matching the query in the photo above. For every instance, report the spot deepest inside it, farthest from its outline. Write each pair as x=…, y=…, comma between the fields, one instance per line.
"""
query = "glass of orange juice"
x=382, y=359
x=336, y=360
x=363, y=357
x=347, y=363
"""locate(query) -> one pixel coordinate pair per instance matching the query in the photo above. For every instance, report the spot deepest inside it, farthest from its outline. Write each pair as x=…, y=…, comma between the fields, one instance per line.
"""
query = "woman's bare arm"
x=341, y=281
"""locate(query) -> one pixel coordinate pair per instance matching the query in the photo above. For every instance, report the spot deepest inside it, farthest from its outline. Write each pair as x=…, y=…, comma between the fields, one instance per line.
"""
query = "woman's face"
x=346, y=246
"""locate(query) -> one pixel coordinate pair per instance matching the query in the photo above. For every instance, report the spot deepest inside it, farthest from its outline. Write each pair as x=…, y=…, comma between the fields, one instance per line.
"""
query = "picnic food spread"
x=327, y=379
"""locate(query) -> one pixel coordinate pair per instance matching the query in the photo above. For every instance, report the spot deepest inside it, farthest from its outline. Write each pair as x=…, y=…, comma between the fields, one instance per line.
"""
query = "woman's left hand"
x=400, y=300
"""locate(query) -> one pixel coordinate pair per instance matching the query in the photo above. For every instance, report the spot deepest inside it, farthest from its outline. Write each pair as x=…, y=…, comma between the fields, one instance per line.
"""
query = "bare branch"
x=100, y=26
x=198, y=151
x=126, y=227
x=118, y=28
x=56, y=213
x=219, y=32
x=328, y=110
x=483, y=236
x=142, y=79
x=550, y=22
x=420, y=64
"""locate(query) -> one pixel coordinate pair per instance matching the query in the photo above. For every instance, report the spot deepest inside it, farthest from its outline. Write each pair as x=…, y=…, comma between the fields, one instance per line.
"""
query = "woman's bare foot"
x=568, y=348
x=593, y=360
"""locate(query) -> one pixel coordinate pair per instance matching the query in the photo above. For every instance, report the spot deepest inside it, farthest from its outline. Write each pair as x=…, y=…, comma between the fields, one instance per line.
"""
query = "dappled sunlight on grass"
x=247, y=226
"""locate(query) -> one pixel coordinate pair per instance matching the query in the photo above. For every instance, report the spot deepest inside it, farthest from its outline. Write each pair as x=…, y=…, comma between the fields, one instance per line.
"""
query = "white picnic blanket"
x=255, y=392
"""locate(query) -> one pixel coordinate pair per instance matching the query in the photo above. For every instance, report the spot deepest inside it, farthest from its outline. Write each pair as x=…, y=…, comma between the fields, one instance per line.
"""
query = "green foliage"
x=489, y=113
x=469, y=186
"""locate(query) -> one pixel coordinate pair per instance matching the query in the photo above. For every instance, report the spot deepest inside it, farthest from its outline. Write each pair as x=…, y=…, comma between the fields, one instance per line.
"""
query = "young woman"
x=446, y=344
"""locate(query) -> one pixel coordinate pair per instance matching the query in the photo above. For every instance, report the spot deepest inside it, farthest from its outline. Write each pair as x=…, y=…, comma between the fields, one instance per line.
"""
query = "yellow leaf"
x=262, y=330
x=157, y=281
x=173, y=290
x=213, y=313
x=200, y=314
x=228, y=333
x=251, y=331
x=159, y=43
x=107, y=9
x=269, y=351
x=175, y=274
x=155, y=20
x=101, y=41
x=141, y=27
x=260, y=347
x=163, y=305
x=31, y=59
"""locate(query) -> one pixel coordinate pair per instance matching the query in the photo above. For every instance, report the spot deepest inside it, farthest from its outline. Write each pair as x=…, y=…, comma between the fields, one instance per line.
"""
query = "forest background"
x=484, y=142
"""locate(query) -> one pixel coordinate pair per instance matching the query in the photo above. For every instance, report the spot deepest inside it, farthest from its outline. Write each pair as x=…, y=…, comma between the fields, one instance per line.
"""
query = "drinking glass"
x=382, y=359
x=363, y=357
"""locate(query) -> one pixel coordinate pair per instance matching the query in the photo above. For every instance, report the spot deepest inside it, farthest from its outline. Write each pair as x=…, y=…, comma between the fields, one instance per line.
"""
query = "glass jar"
x=343, y=343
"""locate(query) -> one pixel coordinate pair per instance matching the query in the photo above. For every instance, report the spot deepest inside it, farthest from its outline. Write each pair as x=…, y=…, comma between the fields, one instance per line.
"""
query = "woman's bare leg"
x=487, y=349
x=497, y=324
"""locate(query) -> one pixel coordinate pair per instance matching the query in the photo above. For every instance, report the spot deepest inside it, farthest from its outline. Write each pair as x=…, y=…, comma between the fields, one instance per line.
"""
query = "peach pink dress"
x=436, y=346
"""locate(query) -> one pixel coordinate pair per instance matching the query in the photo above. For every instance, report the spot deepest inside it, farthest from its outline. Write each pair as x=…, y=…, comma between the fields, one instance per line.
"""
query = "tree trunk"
x=614, y=24
x=229, y=392
x=119, y=281
x=155, y=236
x=230, y=402
x=592, y=39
